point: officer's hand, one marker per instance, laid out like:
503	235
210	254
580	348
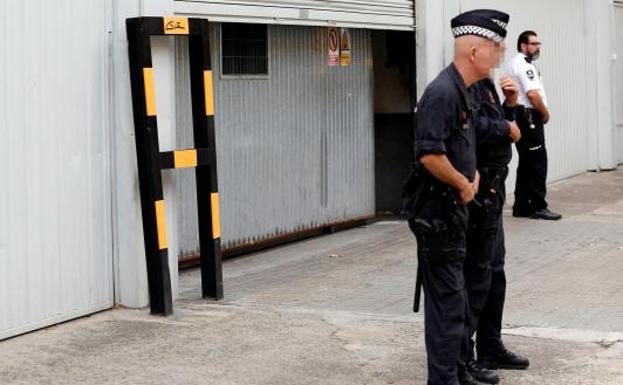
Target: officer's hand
515	133
467	193
510	89
546	118
476	182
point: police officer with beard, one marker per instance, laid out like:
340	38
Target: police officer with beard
444	182
485	280
530	190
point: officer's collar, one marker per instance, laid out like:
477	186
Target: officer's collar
468	100
526	58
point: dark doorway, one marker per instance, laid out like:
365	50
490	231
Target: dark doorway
394	102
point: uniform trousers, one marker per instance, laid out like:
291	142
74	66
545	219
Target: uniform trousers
485	282
445	308
530	189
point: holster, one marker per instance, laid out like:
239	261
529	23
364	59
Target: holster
439	221
487	206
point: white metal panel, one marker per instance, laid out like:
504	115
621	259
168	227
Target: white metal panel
55	198
559	24
380	14
618	79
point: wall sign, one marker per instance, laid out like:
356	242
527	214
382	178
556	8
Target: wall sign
334	46
345	57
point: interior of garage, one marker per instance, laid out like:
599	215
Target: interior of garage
394	102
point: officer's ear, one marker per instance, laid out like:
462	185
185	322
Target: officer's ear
473	53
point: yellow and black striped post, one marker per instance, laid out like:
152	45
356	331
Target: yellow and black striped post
151	161
207	185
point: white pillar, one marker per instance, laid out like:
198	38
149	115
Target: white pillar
163	60
429	41
434	41
590	33
130	266
130	269
602	135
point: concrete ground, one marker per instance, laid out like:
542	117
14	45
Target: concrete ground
336	310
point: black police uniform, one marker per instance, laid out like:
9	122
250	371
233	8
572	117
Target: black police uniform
530	187
485	279
439	221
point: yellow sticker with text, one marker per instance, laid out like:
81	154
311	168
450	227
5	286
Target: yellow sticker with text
175	25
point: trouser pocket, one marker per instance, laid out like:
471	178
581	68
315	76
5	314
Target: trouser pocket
443	247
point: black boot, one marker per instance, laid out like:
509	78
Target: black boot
482	374
466	379
503	360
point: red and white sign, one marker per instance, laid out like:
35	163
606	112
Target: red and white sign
334	47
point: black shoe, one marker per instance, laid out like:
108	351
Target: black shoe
481	373
467	379
504	360
546	214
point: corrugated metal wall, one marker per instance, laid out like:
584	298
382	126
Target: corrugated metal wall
295	149
559	24
618	79
379	14
55	198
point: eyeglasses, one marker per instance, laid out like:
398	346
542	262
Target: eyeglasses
537	43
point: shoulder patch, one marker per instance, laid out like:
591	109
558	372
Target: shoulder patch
530	74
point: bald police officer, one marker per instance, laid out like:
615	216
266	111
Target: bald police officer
530	187
446	182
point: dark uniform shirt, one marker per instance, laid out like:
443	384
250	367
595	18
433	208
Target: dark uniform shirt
444	122
493	148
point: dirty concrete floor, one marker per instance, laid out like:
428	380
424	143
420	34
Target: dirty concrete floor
336	310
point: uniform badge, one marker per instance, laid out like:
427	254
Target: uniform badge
464	120
530	74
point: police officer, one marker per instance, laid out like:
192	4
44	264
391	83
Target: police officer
445	144
485	280
530	188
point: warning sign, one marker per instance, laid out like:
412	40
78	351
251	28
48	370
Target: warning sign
345	58
334	47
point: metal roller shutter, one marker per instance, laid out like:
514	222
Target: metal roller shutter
379	14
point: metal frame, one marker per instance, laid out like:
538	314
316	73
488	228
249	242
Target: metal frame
151	161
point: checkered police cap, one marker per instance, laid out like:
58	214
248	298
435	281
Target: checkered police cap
487	23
